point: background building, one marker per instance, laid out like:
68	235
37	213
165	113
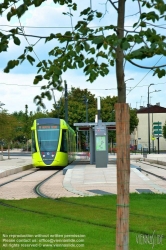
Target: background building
140	135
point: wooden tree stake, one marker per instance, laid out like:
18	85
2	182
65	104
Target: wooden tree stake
123	175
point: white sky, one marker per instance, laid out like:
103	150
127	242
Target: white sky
17	89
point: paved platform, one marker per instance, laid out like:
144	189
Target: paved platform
14	165
87	180
84	179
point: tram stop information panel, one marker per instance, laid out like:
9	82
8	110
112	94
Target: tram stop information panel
101	148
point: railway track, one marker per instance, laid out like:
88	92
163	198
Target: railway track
152	165
23	186
153	170
37	189
18	178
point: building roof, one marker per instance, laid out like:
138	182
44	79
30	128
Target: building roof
151	109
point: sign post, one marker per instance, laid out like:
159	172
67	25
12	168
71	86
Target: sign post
157	132
101	145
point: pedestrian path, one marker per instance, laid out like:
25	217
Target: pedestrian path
14	165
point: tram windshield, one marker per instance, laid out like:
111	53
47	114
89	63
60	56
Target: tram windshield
48	137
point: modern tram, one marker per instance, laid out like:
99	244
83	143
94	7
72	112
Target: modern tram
53	143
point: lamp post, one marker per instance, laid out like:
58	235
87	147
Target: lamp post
152	122
85	99
1	143
129	79
149	116
126	81
56	106
149	120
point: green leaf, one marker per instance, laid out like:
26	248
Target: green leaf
99	14
102	54
39	77
55	78
30	59
85	11
125	45
92	51
9	15
138	39
16	40
143	24
99	45
30	48
38	2
80	64
105	45
27	2
43	87
14	31
135	24
74	6
22	57
112	63
39	64
6	70
11	64
98	40
87	46
48	95
161	73
21	10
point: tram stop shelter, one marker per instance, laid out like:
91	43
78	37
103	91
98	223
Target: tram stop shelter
98	140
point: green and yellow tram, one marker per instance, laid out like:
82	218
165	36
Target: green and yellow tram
53	143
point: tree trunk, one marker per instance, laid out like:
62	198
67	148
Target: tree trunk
1	156
121	86
8	151
123	175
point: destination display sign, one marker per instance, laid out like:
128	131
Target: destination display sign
48	126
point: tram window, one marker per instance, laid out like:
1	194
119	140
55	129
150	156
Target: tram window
64	141
33	142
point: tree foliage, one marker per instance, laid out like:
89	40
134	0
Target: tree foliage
9	128
94	50
25	121
164	130
77	99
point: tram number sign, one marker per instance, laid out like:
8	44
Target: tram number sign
47	126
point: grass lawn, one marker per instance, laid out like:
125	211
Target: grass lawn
81	223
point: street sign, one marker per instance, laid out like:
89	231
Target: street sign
157	123
157	127
157	132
